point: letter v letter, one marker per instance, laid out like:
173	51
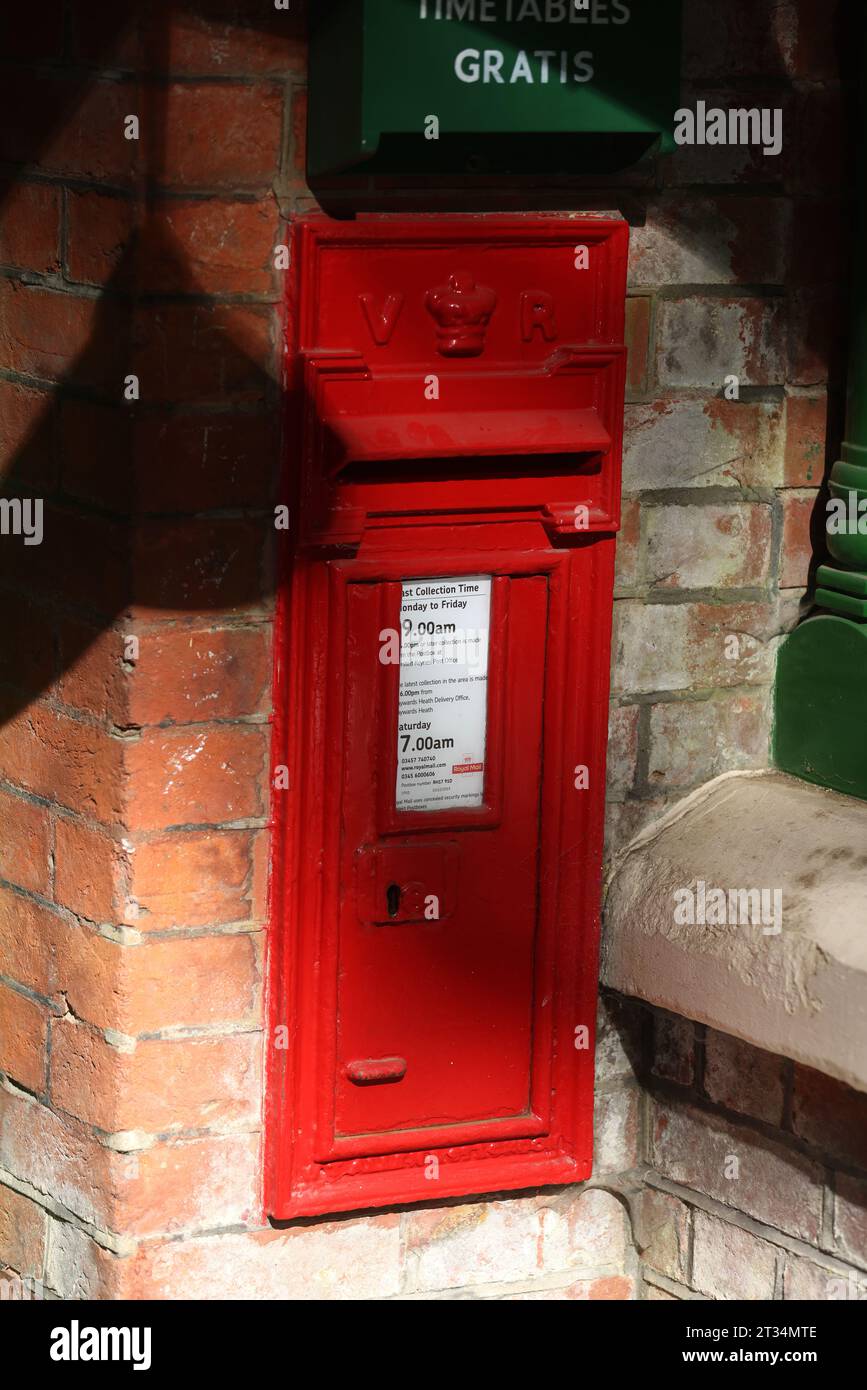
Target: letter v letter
381	321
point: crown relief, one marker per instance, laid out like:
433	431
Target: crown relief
462	310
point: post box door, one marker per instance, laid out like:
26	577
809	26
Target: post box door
438	920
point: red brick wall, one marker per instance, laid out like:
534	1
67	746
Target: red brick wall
133	787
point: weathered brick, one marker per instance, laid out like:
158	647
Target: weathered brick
25	845
160	1086
582	1229
773	1184
75	764
743	1078
25	941
186	674
193	879
202	353
331	1260
76	1267
80	130
664	1234
93	676
30	233
22	1233
219	136
202	775
201	565
98	461
189	1185
805	1281
806	426
692	740
28	629
850	1217
56	1155
616	1131
476	1243
89	871
673	442
100	231
190	983
709	546
205	462
830	1114
699	342
729	1262
684	646
622	747
28	438
691	240
802	521
628	539
23	1037
48	333
674	1048
638	321
614	1288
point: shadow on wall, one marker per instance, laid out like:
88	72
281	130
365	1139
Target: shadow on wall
149	504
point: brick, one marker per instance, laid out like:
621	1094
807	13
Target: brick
79	128
205	462
693	740
619	1039
25	845
28	437
685	442
333	1260
98	460
76	1267
803	521
23	1036
665	1233
26	929
100	231
730	1263
194	879
699	342
94	677
830	1115
613	1288
616	1132
684	646
198	776
803	1280
739	40
252	42
83	557
76	765
160	1087
638	321
189	1185
28	630
187	674
850	1217
690	240
30	234
774	1184
59	336
135	990
622	748
219	136
708	547
628	541
673	1048
474	1244
201	565
210	246
22	1233
583	1229
817	324
743	1078
56	1154
203	352
806	427
89	871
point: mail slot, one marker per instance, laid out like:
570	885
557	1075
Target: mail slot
454	424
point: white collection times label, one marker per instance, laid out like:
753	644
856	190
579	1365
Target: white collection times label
443	709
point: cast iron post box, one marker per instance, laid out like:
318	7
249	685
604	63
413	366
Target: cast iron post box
454	439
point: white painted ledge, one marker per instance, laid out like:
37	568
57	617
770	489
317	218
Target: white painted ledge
801	993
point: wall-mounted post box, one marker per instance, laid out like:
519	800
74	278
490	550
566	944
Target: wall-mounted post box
455	421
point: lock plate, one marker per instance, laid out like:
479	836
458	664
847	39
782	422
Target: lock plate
425	876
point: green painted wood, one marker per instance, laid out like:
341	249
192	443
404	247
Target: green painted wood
819	733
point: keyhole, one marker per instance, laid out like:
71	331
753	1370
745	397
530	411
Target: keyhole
392	898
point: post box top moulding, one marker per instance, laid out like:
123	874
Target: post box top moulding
466	88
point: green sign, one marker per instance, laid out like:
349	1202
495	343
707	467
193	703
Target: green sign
479	86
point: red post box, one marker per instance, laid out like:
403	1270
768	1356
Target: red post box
454	441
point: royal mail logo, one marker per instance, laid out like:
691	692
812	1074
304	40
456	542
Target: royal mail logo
463	311
468	767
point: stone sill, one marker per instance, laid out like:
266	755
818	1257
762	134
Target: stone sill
800	993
